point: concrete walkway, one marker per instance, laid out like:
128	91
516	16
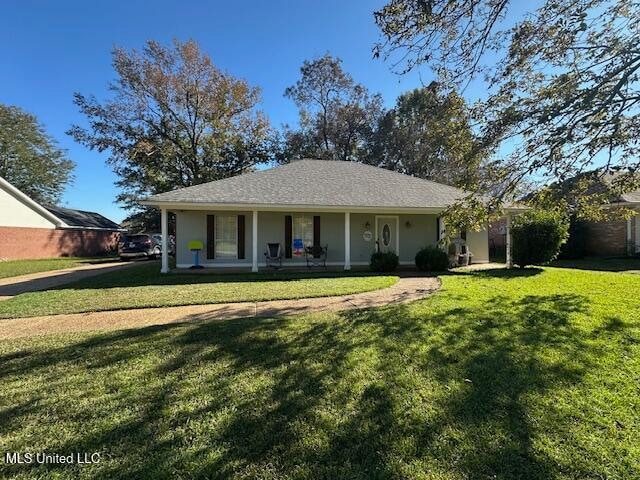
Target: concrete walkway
32	282
406	289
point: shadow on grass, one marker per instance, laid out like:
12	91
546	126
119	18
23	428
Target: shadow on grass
504	273
618	264
375	393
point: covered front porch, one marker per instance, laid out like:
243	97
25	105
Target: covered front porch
234	239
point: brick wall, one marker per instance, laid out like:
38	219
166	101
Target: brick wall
497	230
602	238
606	238
19	242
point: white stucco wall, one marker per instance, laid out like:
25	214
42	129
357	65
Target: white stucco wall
14	213
478	243
415	232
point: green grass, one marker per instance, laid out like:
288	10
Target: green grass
501	375
142	286
13	268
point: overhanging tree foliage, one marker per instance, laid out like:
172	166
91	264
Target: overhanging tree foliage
562	79
174	120
427	134
337	115
30	159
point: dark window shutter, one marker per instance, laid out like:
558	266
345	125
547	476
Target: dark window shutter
241	236
437	229
316	236
288	235
211	237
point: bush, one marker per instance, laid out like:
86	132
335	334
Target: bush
384	262
576	245
538	237
432	259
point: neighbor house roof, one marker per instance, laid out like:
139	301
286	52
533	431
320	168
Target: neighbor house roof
323	183
608	182
82	219
599	183
631	197
61	217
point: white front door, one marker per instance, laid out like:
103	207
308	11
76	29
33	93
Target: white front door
387	234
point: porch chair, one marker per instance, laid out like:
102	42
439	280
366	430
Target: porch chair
273	255
316	256
459	254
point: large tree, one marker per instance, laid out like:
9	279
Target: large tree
174	120
561	76
427	134
31	159
337	115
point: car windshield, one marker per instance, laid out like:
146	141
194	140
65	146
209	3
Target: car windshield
135	238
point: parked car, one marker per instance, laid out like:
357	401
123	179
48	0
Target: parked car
172	242
139	245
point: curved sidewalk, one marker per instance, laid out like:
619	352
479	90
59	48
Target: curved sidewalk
406	289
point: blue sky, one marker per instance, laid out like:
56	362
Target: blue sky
51	49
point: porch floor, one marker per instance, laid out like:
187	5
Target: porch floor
289	269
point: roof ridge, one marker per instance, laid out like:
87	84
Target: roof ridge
319	182
367	165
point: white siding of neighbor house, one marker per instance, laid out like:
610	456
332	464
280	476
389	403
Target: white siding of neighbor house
15	213
416	231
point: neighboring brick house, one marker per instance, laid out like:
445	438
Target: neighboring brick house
613	238
31	230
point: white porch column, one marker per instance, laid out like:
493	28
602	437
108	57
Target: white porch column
441	229
629	249
254	239
165	240
509	246
347	240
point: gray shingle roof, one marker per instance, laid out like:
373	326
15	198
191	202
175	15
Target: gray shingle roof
632	197
82	219
319	183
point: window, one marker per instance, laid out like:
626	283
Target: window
386	235
226	234
302	234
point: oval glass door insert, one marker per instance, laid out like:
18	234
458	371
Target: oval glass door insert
386	235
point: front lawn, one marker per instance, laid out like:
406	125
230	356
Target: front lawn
144	286
13	268
508	375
